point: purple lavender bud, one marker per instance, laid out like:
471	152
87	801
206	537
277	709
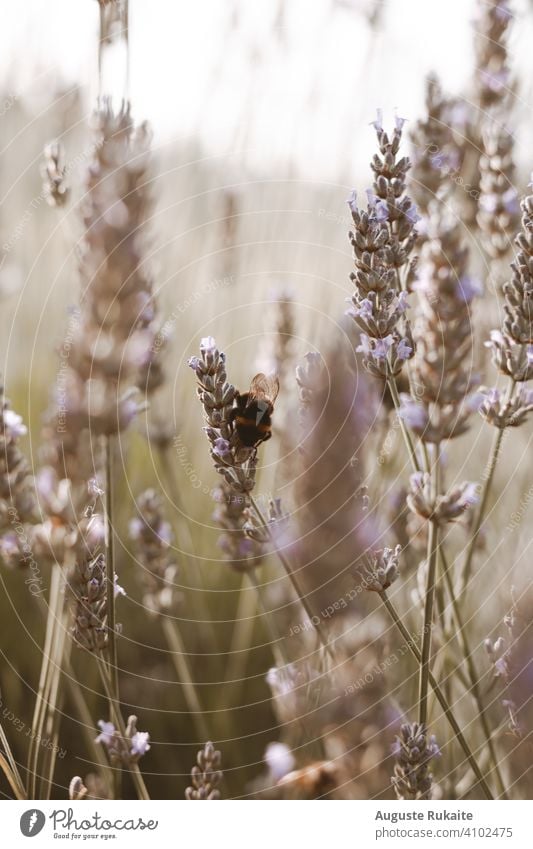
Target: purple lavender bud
221	447
382	347
194	363
474	401
208	345
503	12
470	494
399	122
13	423
469	288
378	123
95	535
94	489
510	201
107	732
416	480
246	547
411	213
489	202
352	200
140	743
45	482
365	309
433	747
364	347
9	545
165	533
413	414
403	350
135	528
118	590
382	211
402	303
496	82
500	666
437	161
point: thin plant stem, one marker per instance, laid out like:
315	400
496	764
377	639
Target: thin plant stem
432	560
493	459
54	705
275	641
10	768
489	477
183	535
39	713
461	632
179	658
86	720
292	577
433	544
110	566
112	655
393	389
410	642
242	634
432	556
76	694
277	644
13	778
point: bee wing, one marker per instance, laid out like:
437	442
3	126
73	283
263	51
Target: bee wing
264	387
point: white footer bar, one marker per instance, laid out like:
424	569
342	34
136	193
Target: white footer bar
255	825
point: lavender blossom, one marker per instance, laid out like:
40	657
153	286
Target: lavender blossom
206	775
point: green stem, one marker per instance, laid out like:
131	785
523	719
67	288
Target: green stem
110	566
472	672
432	559
184	538
275	641
393	389
493	459
410	642
433	543
13	779
277	646
45	678
179	658
241	639
491	467
78	699
54	706
10	768
112	656
292	577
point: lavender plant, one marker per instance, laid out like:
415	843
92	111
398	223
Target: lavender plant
206	775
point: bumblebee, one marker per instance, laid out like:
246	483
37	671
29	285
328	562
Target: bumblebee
251	418
313	781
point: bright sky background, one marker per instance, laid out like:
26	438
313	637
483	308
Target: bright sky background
237	72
